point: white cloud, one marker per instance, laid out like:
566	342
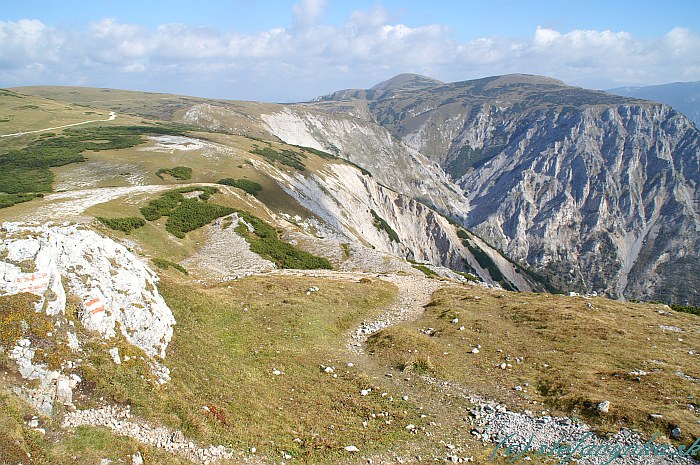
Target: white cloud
27	41
312	58
308	13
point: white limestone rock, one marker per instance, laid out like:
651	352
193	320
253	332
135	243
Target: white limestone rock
114	285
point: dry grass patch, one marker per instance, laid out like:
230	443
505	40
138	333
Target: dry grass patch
250	351
567	353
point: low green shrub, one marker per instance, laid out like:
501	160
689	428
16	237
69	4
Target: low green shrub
165	264
27	169
264	241
426	271
179	172
126	224
462	234
488	264
285	157
192	214
185	215
382	225
246	185
686	309
8	200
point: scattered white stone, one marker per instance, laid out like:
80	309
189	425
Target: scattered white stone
475	350
604	407
276	372
136	459
73	342
117	419
312	289
404	398
114	352
676	432
364	392
455	321
502	366
350	364
352	449
64	391
411	427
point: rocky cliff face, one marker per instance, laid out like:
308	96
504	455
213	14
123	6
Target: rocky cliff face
599	191
348	132
360	210
606	196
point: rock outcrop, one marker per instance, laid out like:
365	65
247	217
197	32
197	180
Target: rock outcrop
116	291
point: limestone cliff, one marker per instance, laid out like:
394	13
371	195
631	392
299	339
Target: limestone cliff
598	191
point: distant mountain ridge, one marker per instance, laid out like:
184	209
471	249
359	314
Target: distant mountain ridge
683	96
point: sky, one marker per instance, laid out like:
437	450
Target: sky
286	51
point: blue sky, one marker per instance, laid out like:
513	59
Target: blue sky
295	50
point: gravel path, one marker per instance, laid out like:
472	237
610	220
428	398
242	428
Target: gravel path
112	116
414	294
122	423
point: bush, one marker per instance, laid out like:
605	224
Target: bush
469	276
162	206
185	215
8	200
286	157
27	170
488	264
192	214
462	234
382	225
246	185
165	264
126	224
319	153
426	271
686	309
265	242
179	172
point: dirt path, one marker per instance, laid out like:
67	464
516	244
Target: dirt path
112	117
414	294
